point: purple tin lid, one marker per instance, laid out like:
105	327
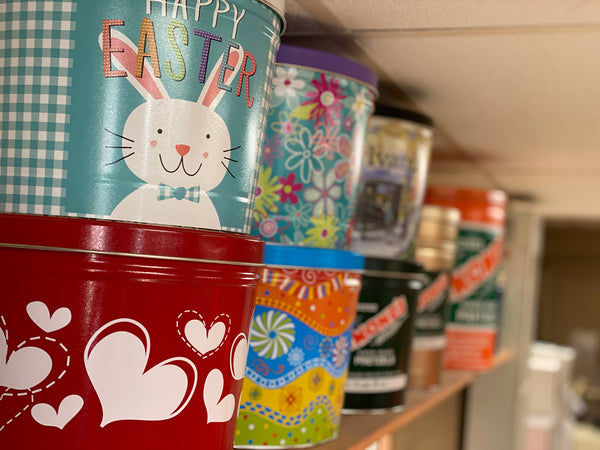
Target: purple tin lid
316	59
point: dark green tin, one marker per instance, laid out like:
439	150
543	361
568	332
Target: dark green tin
382	336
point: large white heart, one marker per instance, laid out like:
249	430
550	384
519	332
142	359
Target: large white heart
24	368
202	339
40	314
44	414
217	409
115	359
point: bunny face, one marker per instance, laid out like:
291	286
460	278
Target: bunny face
177	143
182	144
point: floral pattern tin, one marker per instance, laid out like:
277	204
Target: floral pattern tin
312	153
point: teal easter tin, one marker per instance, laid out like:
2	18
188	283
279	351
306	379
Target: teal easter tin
312	153
143	111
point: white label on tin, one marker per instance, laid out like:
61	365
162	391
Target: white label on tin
375	385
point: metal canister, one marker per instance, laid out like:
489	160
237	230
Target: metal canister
382	336
436	250
474	311
392	184
120	335
299	347
137	111
311	158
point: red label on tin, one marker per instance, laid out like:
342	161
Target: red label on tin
467	277
433	295
388	316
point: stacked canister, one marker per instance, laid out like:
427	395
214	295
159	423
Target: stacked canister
306	197
436	250
148	152
392	188
129	149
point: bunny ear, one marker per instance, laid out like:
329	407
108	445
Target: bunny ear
148	85
211	93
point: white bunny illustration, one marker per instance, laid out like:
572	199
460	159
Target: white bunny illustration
181	149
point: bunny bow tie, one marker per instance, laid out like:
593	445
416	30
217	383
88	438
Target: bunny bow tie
192	194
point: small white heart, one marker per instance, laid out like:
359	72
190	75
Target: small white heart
24	368
239	354
39	313
202	339
46	415
217	409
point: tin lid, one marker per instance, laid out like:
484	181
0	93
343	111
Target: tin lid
121	238
393	268
404	114
317	258
475	205
439	225
328	62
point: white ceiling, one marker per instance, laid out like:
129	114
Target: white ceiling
513	86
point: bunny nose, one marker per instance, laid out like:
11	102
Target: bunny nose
182	149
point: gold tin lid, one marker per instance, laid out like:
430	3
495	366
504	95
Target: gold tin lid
436	239
439	225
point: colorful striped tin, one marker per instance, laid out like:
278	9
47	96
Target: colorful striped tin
299	347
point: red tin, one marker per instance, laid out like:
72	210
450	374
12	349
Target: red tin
122	336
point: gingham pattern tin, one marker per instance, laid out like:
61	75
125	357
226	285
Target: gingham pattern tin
35	44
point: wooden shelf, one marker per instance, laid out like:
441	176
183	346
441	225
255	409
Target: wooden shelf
359	431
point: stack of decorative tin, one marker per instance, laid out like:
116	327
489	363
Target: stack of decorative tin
128	127
305	203
436	250
392	188
474	309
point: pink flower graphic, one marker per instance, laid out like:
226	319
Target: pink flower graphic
271	150
348	123
288	188
326	100
340	351
326	141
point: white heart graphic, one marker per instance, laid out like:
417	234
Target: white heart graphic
46	415
202	339
24	368
217	409
39	313
115	359
238	357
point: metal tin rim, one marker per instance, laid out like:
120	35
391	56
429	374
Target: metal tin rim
331	72
324	269
124	238
134	255
280	11
408	115
397	275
